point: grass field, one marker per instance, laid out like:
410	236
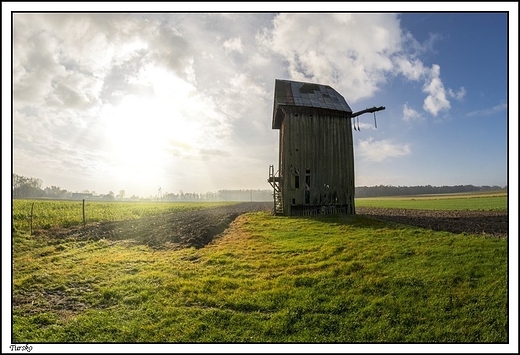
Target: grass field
328	279
65	213
472	202
62	213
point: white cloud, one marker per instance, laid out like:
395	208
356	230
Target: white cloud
436	100
351	52
428	44
412	69
357	54
488	111
459	95
378	151
234	44
168	47
409	114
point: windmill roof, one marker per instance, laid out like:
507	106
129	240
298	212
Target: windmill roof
301	94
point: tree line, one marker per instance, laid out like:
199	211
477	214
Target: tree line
386	190
27	187
221	195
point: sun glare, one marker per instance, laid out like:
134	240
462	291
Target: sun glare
152	138
145	135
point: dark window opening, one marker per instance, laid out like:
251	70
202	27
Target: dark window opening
293	201
307	186
296	181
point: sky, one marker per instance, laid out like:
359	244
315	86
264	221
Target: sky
183	101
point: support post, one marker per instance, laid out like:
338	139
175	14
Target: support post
31	222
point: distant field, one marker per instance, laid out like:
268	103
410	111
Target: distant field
473	201
57	213
63	213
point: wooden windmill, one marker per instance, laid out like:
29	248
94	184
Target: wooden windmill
315	173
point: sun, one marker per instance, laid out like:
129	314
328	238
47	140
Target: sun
153	137
132	134
144	135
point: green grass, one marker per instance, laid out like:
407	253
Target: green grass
49	213
270	279
452	202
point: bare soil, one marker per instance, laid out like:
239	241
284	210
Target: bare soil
494	223
198	228
177	230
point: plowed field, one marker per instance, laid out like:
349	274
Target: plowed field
198	228
173	230
494	223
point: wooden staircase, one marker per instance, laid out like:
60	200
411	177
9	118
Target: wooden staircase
275	181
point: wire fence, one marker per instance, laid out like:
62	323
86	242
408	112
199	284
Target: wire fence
29	216
44	218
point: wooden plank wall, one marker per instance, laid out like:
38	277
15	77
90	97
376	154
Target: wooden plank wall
321	141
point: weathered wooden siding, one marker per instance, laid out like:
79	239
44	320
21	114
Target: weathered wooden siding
317	144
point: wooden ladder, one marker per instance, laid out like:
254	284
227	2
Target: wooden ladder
275	180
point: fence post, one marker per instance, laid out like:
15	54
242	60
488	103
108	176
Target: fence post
31	223
83	212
